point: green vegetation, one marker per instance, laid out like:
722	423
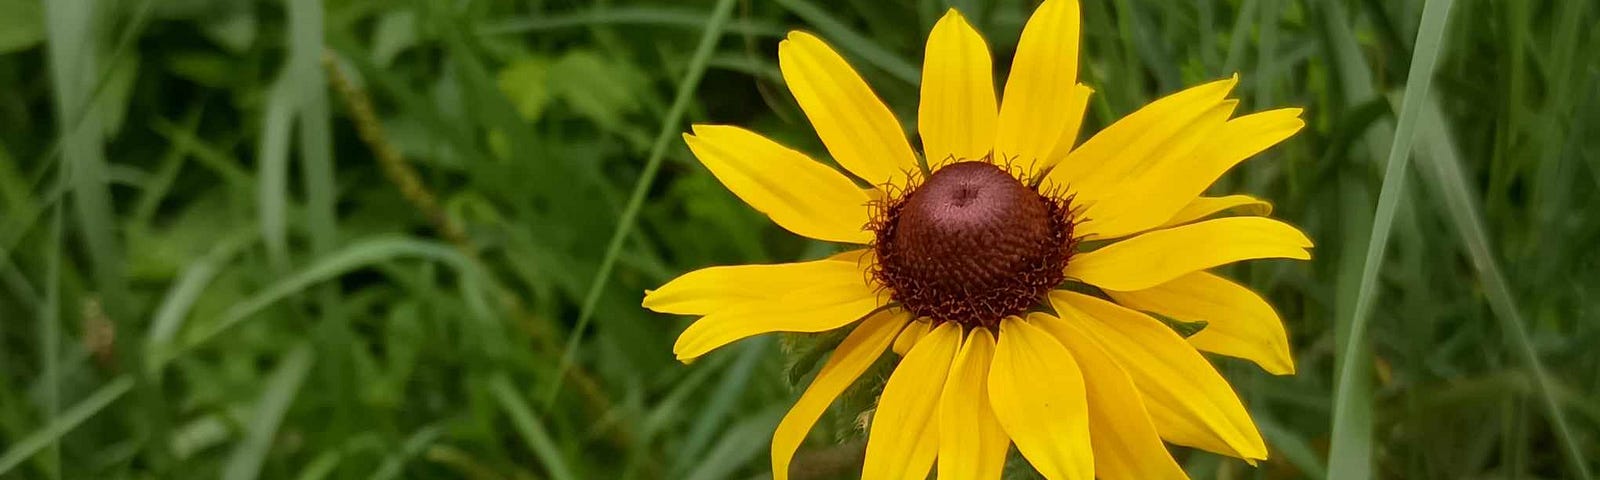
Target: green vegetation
315	239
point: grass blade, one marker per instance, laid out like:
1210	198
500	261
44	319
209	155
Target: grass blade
855	43
50	334
685	18
394	463
356	255
641	189
1441	167
316	137
1343	464
1295	449
744	442
723	400
282	387
272	172
68	420
180	298
533	432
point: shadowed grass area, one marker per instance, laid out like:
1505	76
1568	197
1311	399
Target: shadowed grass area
215	263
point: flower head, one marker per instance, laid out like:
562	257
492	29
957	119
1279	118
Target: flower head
1014	269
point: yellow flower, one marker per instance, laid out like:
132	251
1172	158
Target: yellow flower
968	253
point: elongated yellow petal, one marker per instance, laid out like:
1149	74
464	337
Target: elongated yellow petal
1038	396
1038	112
905	431
1203	207
860	132
1157	257
1190	403
957	113
908	337
1239	322
803	196
972	444
813	309
711	289
1106	159
853	356
1148	198
1126	445
1112	214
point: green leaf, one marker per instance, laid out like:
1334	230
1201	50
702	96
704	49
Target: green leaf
395	33
206	68
235	30
1184	329
597	87
21	25
526	82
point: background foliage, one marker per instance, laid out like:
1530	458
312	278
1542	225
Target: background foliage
205	271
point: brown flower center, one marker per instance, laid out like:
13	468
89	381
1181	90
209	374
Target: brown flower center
972	245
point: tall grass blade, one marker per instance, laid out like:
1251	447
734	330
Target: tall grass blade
1440	165
356	255
1294	447
396	461
68	420
641	188
723	400
849	40
528	426
1342	464
272	172
677	17
281	388
185	291
746	441
50	334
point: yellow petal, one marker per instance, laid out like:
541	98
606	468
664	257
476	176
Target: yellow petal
711	289
1147	198
972	444
803	196
812	309
1039	116
1113	213
858	351
908	337
905	434
860	132
1190	403
1126	445
1157	257
1203	207
957	113
1038	396
1101	163
1239	322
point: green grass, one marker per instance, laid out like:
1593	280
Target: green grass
1350	455
206	272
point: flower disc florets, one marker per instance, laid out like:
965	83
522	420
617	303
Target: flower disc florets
971	244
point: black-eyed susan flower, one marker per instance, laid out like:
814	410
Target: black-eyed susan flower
1012	268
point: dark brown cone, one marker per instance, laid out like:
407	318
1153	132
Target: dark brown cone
972	245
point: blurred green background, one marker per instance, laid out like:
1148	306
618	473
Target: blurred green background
212	265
